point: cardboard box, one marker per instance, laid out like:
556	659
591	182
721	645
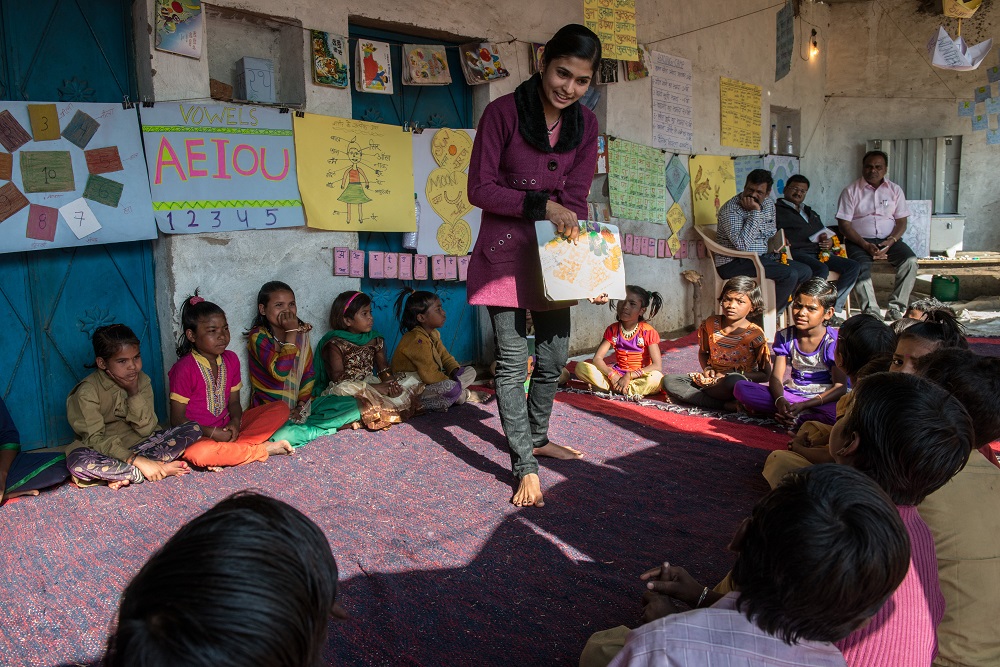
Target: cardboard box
255	80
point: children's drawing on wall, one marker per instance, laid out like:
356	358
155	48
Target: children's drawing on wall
353	175
329	54
373	68
713	185
179	27
449	223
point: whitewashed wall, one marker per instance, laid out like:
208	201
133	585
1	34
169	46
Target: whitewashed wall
231	267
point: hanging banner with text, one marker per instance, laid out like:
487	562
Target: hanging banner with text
740	110
71	174
221	168
673	127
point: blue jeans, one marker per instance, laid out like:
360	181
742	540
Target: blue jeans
847	268
786	277
526	422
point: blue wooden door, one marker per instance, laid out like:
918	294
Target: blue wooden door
53	300
427	107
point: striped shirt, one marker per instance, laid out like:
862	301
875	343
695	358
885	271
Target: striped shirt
745	230
275	367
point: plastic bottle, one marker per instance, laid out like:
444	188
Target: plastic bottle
774	139
410	238
789	147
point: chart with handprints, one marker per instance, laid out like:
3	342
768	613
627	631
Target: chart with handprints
637	182
71	174
449	224
221	167
583	269
355	176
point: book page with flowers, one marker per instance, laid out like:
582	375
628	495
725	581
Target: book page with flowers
591	266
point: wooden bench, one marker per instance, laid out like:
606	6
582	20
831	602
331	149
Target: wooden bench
964	264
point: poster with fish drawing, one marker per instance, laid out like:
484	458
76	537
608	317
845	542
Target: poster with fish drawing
713	184
449	224
591	266
353	175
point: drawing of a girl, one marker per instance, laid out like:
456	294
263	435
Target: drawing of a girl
351	182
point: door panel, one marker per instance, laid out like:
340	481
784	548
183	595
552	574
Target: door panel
424	106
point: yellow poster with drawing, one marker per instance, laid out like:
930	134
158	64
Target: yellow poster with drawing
354	176
741	113
713	183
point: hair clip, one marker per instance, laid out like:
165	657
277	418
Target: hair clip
195	300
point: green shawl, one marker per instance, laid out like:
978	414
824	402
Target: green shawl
322	379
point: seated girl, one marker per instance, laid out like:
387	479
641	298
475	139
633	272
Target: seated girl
808	347
421	354
25	473
637	370
354	364
279	352
112	413
939	329
731	349
205	389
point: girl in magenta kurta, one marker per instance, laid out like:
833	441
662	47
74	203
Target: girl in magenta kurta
534	159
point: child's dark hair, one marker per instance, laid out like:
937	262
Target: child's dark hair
203	597
821	290
345	306
940	326
928	304
411	303
863	338
652	301
747	287
820	554
573	41
193	310
902	324
914	436
974	380
264	298
108	340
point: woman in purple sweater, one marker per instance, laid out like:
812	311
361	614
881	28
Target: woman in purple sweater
533	159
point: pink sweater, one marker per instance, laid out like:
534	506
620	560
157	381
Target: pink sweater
904	631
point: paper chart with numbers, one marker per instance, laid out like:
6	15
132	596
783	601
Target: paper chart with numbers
71	174
221	167
637	183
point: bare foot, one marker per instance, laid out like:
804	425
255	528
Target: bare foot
558	452
478	396
529	493
564	377
19	494
114	486
279	448
175	468
215	468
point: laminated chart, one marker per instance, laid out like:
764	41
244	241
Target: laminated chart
741	114
221	168
637	184
449	223
355	176
71	174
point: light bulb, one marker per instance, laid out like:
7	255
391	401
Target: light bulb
813	50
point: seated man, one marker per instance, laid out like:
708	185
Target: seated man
746	222
251	581
801	225
872	214
817	558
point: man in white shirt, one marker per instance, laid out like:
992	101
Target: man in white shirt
872	213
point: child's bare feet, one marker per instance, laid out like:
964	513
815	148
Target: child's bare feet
472	396
529	493
19	494
558	452
564	377
175	468
279	448
114	486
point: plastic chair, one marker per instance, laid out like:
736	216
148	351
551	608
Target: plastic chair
707	233
832	277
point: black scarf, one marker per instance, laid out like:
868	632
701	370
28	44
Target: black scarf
531	119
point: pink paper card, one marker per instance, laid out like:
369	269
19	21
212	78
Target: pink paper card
42	223
420	267
684	250
341	261
666	251
391	264
651	248
629	240
463	267
451	267
357	263
376	264
437	267
661	247
701	250
643	245
405	266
